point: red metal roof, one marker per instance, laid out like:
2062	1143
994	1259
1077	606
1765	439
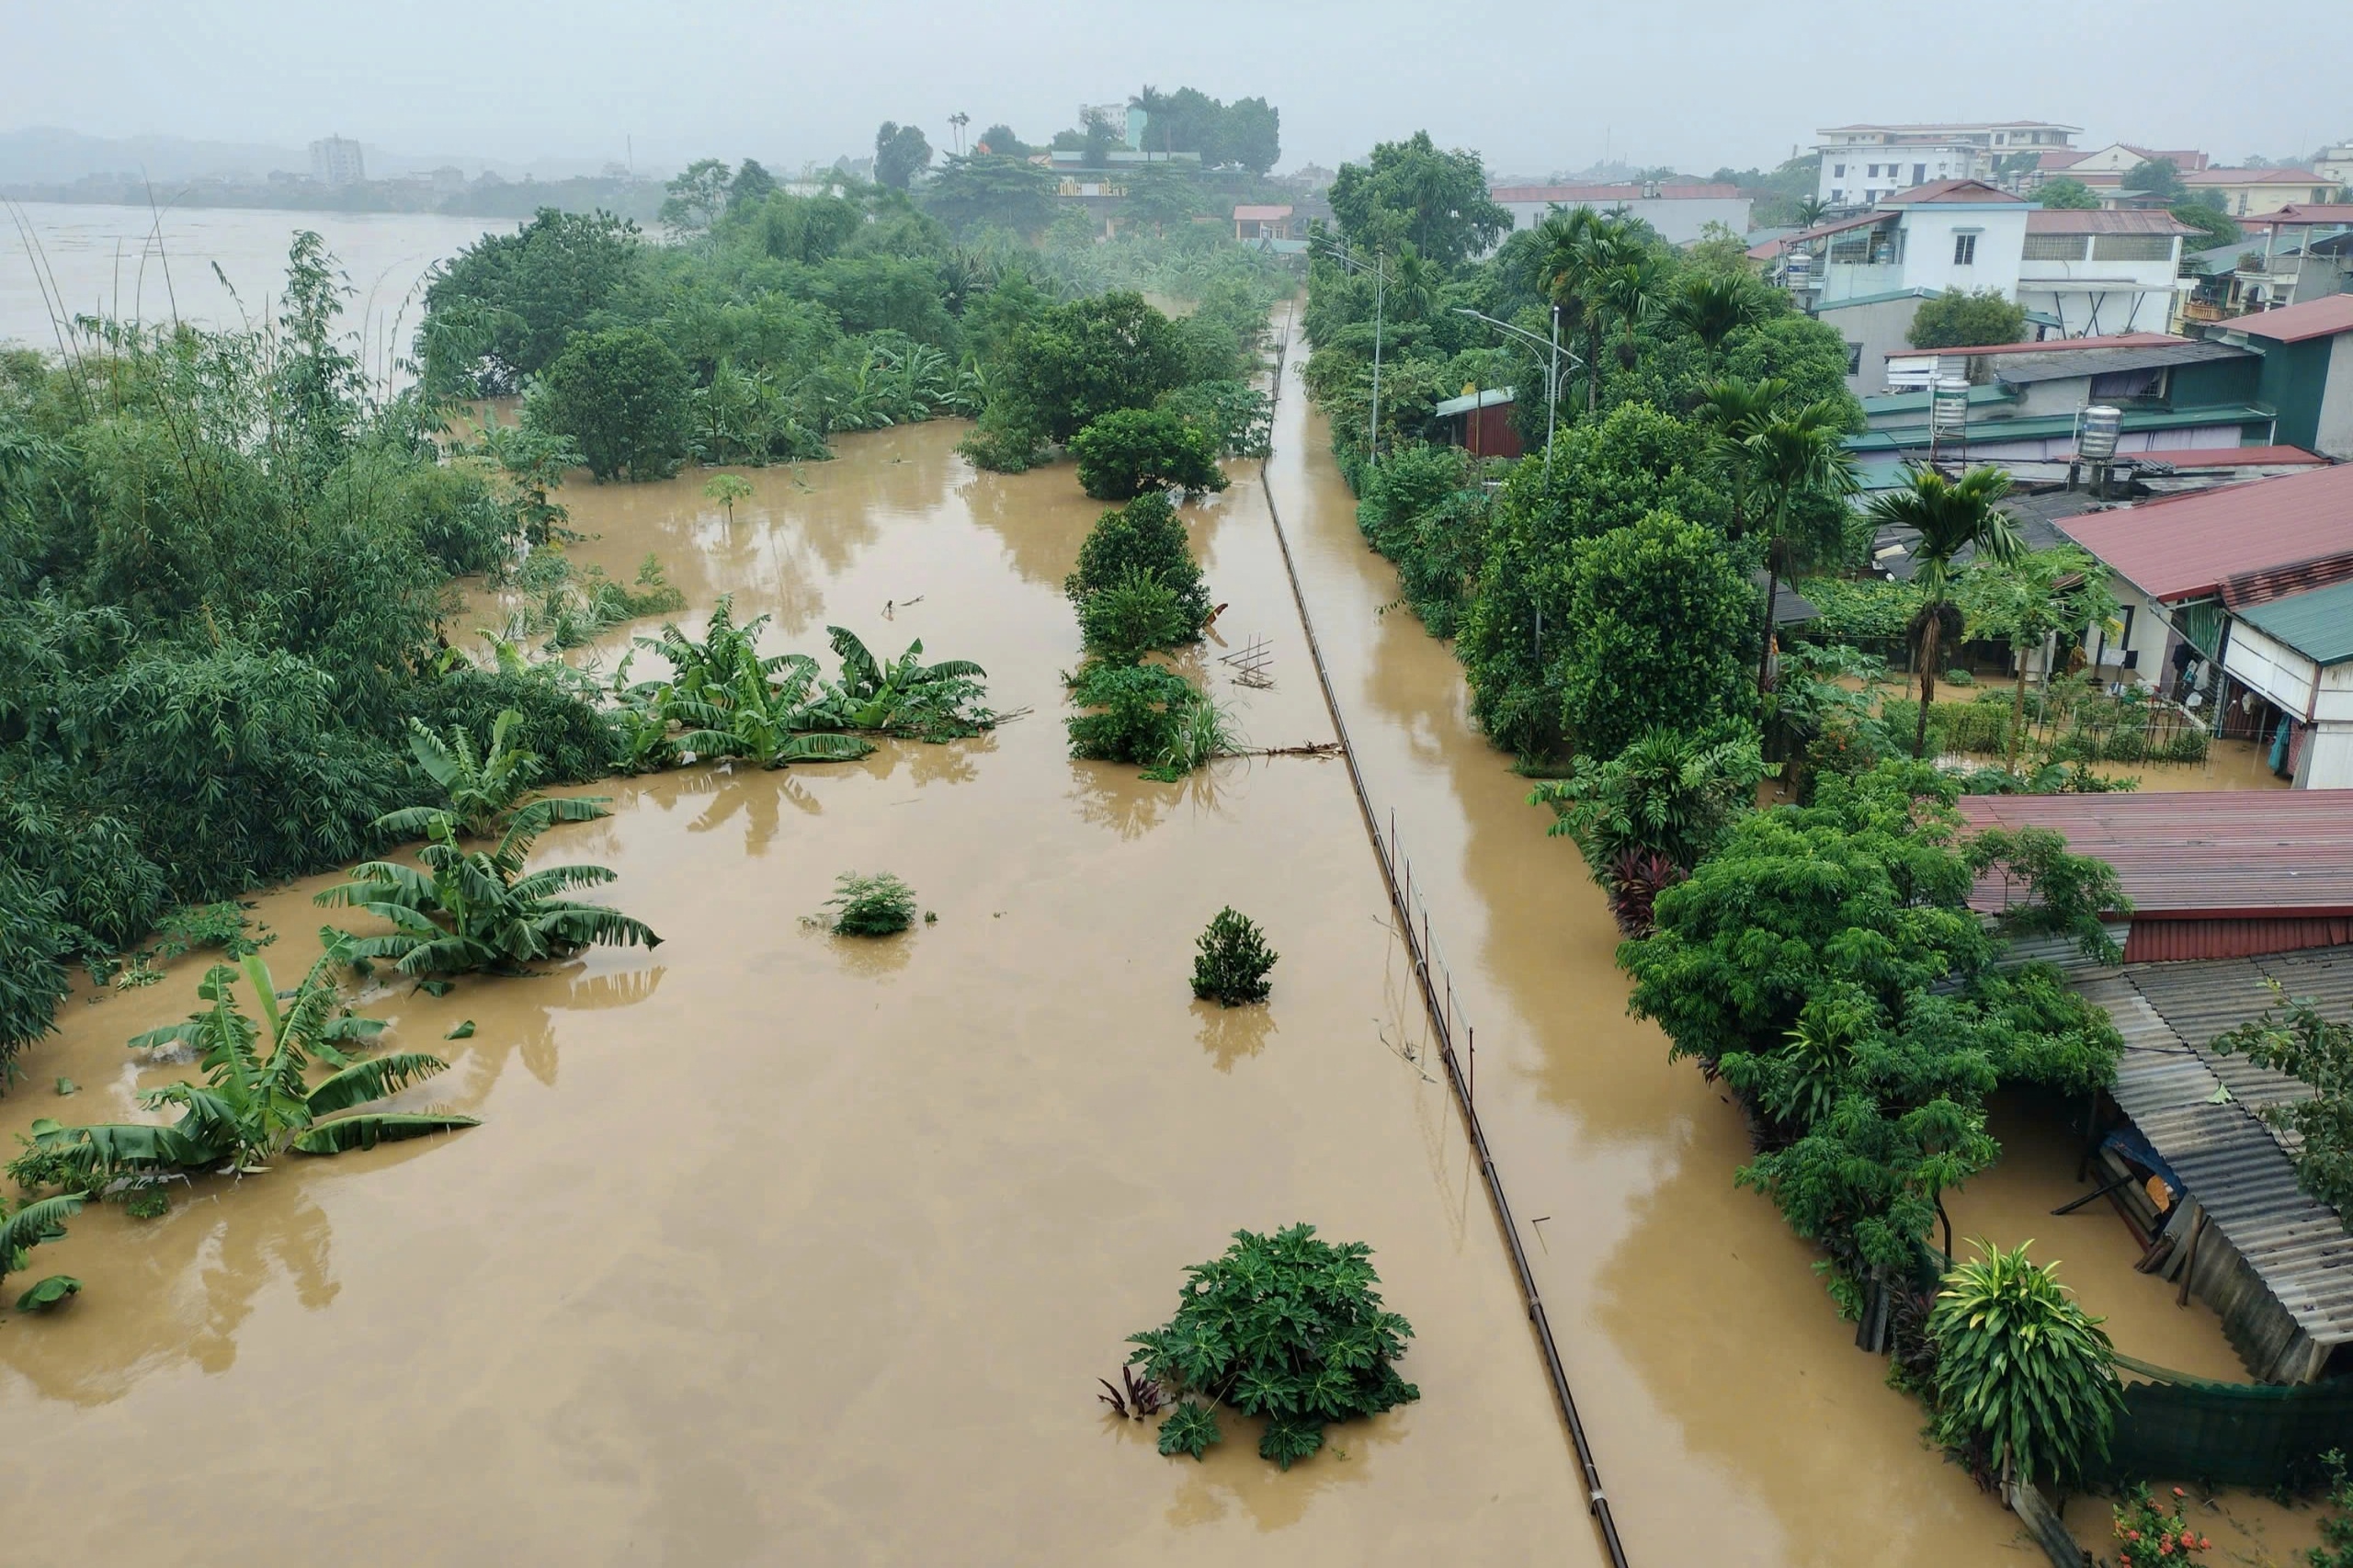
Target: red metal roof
2252	176
2234	456
2062	158
1621	191
1953	190
2195	855
2295	323
2185	546
2104	220
2301	214
2172	941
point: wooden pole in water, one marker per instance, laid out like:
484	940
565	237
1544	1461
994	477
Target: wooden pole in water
2189	1264
1471	1040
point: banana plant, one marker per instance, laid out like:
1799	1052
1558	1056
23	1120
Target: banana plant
26	1228
255	1102
748	717
476	910
483	791
906	697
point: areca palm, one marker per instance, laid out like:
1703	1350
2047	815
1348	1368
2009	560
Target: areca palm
1713	305
483	789
1730	412
1794	457
1571	249
1949	515
471	910
255	1102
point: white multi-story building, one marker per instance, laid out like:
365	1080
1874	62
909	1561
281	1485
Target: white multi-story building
336	160
1864	165
2336	163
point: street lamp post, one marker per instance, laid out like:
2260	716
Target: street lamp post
1552	375
1331	252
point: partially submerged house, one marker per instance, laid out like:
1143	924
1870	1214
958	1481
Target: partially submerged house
2191	574
2233	893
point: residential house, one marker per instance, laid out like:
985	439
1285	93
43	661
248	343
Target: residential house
2096	272
2190	571
2335	162
2024	400
2251	193
2103	169
2307	375
1864	165
2305	253
1263	223
1680	212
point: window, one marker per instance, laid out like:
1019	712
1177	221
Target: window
1854	358
1964	250
2057	247
1919	174
1837	198
2132	247
1838	171
1872	173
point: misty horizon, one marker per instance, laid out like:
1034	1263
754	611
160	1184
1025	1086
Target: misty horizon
1693	86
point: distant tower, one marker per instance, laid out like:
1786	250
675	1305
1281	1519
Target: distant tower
336	161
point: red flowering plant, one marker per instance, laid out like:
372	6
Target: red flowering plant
2148	1535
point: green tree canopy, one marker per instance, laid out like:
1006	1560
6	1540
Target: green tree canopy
622	396
1658	630
698	194
1412	191
991	190
1076	363
503	308
2160	177
1130	450
900	153
2067	192
1964	319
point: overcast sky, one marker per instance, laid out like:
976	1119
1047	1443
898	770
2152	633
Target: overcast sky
1533	85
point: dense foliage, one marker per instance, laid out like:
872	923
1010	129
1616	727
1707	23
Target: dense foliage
1232	964
1287	1327
622	398
1659	616
2295	1038
877	906
1121	455
1145	537
1961	319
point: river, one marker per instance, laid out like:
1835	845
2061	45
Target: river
65	259
774	1246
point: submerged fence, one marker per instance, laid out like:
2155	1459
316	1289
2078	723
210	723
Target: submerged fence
1437	985
2255	1434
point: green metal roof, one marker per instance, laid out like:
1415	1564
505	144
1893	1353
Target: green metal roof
1902	437
2319	624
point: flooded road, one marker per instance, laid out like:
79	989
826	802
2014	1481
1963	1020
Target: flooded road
774	1247
1735	1422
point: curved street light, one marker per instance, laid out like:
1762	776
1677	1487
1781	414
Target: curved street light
1553	376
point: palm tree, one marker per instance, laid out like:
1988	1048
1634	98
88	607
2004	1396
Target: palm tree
255	1102
1630	288
1730	412
1949	515
1413	285
484	792
1567	272
1713	305
478	910
1795	457
1811	211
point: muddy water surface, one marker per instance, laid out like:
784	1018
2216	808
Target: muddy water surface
775	1247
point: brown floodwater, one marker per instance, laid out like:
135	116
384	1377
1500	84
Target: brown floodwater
779	1247
783	1247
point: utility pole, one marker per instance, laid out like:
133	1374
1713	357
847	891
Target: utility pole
1373	436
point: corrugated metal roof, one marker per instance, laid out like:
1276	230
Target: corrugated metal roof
2048	346
2295	323
2197	1110
2029	367
2174	941
2245	853
2303	214
2229	457
2252	176
2104	220
2185	545
1488	397
2319	624
1957	192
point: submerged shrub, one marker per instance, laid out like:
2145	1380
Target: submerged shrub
1231	966
879	905
1146	535
1125	453
1138	711
1132	617
1285	1326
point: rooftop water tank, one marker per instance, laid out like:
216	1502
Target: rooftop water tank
2095	433
1949	406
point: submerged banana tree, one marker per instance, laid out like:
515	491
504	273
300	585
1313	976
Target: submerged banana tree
256	1102
21	1230
473	910
903	698
483	791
